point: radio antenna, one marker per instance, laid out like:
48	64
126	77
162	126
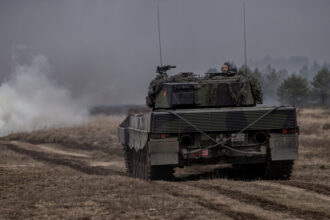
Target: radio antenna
159	42
244	39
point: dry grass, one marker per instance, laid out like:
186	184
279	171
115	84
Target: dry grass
100	131
39	184
314	148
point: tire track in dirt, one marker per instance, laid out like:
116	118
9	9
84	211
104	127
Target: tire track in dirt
293	189
56	159
76	146
176	191
69	162
262	202
315	187
233	207
198	199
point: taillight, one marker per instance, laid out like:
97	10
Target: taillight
292	131
158	136
196	154
289	131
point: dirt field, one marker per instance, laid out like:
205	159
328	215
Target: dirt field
79	173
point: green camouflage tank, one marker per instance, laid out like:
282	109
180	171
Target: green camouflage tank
210	119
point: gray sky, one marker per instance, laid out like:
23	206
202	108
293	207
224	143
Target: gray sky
106	52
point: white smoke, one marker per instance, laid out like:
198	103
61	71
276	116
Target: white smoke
29	100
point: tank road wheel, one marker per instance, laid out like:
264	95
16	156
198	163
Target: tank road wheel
147	168
141	166
138	164
133	163
138	154
128	160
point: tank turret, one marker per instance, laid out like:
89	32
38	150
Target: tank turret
219	89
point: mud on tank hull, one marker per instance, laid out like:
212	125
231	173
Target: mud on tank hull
157	142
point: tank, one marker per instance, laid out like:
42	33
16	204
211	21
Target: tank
209	119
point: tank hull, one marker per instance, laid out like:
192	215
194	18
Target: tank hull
236	135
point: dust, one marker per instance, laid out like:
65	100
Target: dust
30	100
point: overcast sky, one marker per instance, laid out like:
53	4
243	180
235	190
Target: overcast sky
106	52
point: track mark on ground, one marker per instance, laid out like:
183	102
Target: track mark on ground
294	189
316	187
50	148
262	202
221	203
69	162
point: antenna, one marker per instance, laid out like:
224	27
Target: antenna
159	42
244	39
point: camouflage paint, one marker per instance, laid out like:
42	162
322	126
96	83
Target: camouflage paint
218	91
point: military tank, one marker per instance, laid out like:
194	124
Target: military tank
210	119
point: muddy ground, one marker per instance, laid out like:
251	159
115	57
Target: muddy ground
79	173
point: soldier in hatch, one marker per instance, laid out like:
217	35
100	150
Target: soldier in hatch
229	69
225	67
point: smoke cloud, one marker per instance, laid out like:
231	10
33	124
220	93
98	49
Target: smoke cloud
106	52
30	100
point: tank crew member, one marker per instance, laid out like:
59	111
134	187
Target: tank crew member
229	68
225	67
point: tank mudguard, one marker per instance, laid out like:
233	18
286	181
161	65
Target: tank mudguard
123	133
164	151
283	146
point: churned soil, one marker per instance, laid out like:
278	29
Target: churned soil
78	173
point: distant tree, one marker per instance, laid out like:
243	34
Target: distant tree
249	72
257	74
304	72
270	82
273	76
315	68
321	85
268	69
283	73
293	90
327	65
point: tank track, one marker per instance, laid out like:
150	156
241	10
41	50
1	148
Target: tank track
128	160
279	170
138	166
271	170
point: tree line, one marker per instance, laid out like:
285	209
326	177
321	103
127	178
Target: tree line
309	87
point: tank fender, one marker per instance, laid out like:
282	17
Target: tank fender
164	151
138	131
123	133
283	146
137	138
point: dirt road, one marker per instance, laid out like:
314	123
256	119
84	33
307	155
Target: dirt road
81	175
